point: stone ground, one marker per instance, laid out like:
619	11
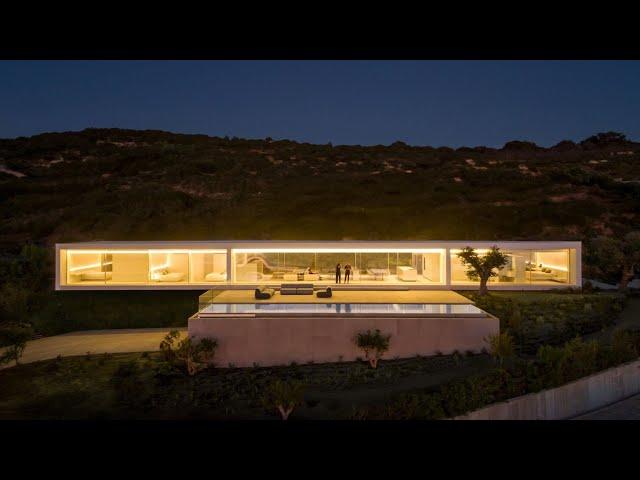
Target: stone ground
94	341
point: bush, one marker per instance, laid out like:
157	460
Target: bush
283	396
188	353
501	347
15	337
374	344
553	366
131	391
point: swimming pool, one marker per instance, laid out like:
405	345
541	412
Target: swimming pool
386	309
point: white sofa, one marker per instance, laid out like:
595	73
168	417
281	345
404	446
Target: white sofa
407	274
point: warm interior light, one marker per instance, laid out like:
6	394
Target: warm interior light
84	267
555	267
142	251
336	250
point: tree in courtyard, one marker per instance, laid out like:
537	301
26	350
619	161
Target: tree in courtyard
614	258
283	396
15	338
373	344
501	347
192	354
482	267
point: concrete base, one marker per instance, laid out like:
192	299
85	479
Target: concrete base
246	340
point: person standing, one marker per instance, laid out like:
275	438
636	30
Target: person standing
338	275
347	272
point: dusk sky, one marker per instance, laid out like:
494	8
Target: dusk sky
436	103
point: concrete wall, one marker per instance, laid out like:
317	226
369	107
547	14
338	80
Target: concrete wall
280	341
567	401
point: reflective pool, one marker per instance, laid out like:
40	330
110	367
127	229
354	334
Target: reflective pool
342	308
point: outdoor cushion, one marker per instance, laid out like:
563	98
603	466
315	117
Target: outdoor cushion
264	293
324	293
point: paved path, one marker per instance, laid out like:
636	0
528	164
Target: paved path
628	409
94	341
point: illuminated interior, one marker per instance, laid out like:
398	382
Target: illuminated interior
260	263
144	267
367	266
524	267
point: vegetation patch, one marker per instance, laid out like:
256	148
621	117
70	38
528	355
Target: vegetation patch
536	318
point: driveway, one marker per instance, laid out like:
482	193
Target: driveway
628	409
94	341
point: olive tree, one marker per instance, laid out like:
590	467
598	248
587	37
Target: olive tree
373	344
283	396
482	267
192	354
615	258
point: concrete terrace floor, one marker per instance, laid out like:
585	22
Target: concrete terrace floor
95	342
347	296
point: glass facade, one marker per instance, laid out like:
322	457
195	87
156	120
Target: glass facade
319	267
142	267
261	264
524	267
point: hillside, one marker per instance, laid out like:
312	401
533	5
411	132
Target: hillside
110	184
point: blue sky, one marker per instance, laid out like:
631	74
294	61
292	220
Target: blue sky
436	103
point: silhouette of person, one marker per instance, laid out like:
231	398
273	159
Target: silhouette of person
347	272
338	275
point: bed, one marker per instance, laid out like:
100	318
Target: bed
171	277
215	277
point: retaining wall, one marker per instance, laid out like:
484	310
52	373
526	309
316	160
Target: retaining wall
243	341
570	400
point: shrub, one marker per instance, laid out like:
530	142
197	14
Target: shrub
130	390
16	337
283	396
501	347
624	346
373	344
191	354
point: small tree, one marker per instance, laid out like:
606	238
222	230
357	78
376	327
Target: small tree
283	396
615	258
501	347
373	344
191	354
482	267
16	338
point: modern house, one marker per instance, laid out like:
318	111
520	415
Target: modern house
404	288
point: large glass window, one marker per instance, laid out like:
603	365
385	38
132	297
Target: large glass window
524	267
550	266
208	267
168	267
142	267
89	268
365	266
